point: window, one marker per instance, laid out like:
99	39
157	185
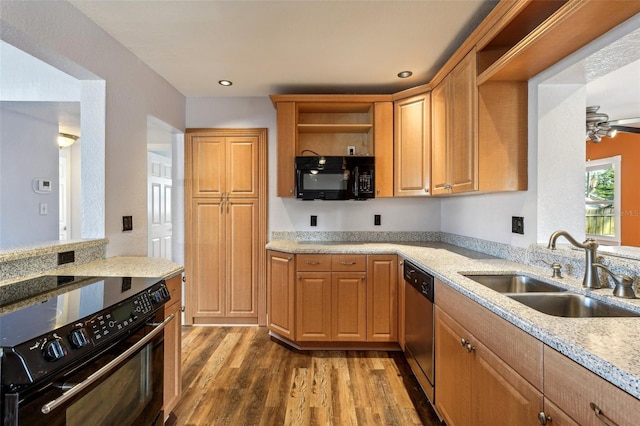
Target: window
602	200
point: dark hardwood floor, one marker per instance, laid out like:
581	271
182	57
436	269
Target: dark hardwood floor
240	376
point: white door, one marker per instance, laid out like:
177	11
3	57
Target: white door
159	205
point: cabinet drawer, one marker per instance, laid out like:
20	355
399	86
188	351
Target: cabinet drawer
348	262
313	262
573	388
174	285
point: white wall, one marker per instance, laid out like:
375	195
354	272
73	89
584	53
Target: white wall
28	150
60	35
287	214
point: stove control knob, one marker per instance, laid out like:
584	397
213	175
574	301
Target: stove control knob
53	350
78	338
156	296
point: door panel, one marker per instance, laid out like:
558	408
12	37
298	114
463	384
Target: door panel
208	236
242	166
242	231
208	166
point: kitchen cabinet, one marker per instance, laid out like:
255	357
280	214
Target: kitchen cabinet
454	143
382	298
225	232
333	297
412	146
573	389
173	346
280	293
330	299
487	370
334	125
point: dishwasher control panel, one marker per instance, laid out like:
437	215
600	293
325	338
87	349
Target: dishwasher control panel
419	279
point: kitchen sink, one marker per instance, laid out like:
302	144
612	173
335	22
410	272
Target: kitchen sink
514	283
571	305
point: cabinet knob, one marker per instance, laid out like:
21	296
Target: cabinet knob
470	348
463	342
543	418
291	191
426	190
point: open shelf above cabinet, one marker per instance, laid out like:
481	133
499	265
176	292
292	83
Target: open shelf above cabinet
534	35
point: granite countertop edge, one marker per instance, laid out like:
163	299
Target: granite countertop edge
125	266
609	347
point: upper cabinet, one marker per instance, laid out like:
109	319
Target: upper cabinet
412	146
454	143
520	39
334	125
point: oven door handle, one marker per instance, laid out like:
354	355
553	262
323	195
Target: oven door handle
52	405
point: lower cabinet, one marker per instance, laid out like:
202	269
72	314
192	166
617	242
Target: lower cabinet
478	379
281	268
173	346
575	395
333	297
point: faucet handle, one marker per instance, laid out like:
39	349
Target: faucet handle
624	283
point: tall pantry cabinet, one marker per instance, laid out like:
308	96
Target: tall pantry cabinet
225	226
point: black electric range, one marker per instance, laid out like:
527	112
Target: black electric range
49	323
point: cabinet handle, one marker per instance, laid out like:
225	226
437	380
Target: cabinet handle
543	418
289	258
291	191
299	277
364	277
463	342
604	419
348	263
426	190
221	202
470	348
313	263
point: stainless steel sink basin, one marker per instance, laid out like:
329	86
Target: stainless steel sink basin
571	305
514	283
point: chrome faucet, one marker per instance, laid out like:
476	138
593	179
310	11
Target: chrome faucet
590	247
624	283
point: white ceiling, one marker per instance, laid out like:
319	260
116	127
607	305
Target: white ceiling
274	47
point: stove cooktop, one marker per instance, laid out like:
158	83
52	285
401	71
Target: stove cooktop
35	313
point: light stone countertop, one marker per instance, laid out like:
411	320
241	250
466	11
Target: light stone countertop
125	266
609	347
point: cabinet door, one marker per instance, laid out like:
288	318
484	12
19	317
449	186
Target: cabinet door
206	289
242	167
453	366
383	148
462	140
557	416
286	123
439	157
313	306
206	165
280	293
348	306
173	346
241	217
382	300
412	146
172	357
499	395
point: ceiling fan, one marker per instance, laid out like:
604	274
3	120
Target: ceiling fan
598	125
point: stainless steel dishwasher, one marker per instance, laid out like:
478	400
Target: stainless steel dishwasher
419	326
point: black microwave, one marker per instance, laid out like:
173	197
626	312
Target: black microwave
335	178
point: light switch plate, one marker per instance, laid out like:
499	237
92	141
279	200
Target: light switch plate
517	225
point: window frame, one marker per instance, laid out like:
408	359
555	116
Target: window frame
614	162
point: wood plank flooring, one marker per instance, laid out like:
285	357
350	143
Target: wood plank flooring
240	376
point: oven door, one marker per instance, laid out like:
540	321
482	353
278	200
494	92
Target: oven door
120	386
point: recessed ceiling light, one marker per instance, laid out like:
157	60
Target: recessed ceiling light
225	83
405	74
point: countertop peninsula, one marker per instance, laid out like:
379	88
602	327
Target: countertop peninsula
609	347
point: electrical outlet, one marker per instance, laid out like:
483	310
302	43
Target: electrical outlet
66	257
44	209
377	220
517	225
351	150
314	220
127	223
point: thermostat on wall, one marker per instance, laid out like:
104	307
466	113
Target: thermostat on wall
42	186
